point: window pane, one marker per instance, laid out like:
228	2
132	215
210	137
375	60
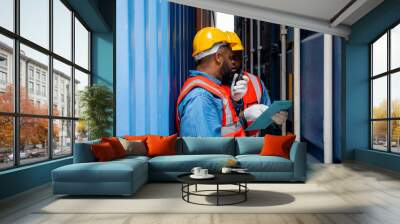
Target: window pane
7	14
379	55
81	81
379	135
62	89
62	138
34	81
395	47
81	131
81	45
35	21
6	142
62	29
395	95
395	138
379	97
33	139
6	74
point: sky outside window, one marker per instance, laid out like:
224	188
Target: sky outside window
7	14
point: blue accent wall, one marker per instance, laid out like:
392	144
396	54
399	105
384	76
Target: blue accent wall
182	31
357	84
102	58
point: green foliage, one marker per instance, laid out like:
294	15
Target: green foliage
97	104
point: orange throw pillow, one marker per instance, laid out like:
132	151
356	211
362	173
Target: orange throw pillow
275	145
116	145
161	145
135	138
103	152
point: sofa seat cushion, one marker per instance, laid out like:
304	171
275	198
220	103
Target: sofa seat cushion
112	171
185	163
257	163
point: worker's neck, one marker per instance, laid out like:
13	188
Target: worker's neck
211	72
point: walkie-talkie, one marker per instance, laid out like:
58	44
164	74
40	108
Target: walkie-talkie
240	77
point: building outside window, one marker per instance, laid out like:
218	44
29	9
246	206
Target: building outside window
56	127
30	72
30	87
385	91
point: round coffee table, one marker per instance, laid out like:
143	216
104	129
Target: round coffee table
238	179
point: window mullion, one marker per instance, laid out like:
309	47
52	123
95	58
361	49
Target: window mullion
16	84
50	81
73	82
389	95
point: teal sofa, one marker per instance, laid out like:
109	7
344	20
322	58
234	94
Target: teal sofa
125	176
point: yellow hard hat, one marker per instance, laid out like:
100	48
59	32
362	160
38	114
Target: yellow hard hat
206	38
234	41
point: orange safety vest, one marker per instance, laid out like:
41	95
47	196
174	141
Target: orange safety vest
231	126
252	96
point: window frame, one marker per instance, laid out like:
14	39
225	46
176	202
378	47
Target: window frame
388	74
16	115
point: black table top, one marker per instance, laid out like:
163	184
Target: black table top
220	178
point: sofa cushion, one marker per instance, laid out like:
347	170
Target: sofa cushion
103	152
249	145
206	145
161	145
116	145
185	163
276	145
257	163
134	147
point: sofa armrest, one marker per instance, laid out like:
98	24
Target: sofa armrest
83	152
298	156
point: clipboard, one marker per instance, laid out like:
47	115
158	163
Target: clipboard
265	119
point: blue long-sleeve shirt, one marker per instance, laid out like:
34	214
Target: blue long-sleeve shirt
200	111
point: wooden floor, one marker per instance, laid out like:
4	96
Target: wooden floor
377	188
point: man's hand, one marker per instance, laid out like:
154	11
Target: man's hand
280	117
239	88
254	111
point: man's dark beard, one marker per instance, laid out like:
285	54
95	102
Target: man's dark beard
227	75
227	79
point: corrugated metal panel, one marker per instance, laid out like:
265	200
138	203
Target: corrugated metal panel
154	44
182	29
142	79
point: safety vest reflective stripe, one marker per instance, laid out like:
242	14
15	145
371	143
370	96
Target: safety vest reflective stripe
230	122
256	84
231	128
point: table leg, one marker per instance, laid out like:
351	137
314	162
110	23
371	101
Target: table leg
196	188
217	194
245	193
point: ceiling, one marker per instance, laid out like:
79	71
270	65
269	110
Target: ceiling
325	16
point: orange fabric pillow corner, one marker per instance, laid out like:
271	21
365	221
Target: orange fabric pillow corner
116	145
103	151
161	145
275	145
135	138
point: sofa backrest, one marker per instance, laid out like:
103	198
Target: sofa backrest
206	145
249	145
83	152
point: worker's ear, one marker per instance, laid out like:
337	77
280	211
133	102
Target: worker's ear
219	56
